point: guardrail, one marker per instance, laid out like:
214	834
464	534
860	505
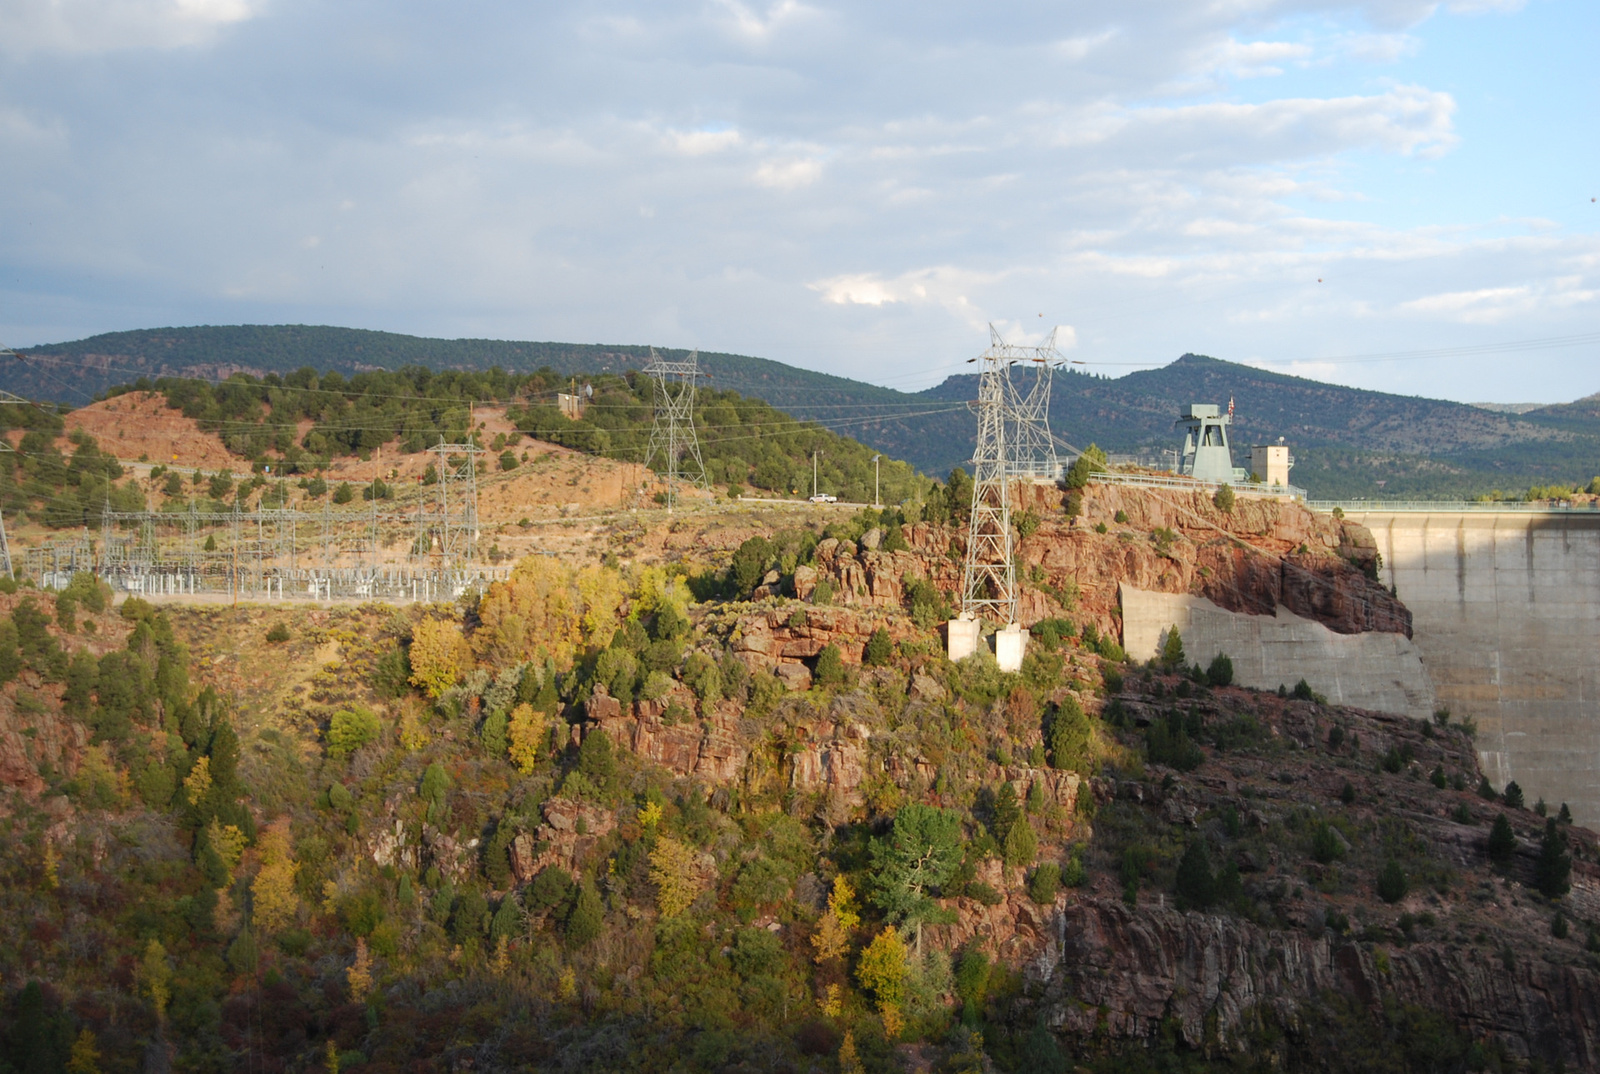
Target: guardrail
1453	507
1188	484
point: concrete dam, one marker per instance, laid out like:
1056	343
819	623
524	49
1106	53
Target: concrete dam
1506	632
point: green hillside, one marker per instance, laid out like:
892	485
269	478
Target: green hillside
1348	442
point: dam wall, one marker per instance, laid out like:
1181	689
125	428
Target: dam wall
1377	671
1506	615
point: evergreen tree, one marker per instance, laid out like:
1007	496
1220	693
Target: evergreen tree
1552	871
1172	654
1392	882
1502	841
921	853
1513	795
880	649
1196	884
586	919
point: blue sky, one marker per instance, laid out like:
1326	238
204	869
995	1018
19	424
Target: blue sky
854	188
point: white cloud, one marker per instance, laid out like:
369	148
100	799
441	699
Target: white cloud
698	143
1257	59
798	178
789	174
90	26
1075	49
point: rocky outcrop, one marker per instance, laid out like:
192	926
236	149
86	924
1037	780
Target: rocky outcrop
1122	972
792	634
1262	554
570	831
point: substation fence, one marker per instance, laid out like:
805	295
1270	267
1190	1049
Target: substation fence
276	554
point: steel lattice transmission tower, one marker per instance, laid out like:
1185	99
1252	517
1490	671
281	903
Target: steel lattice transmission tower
1030	449
447	527
1014	441
989	581
672	437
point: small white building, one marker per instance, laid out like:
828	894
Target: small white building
1271	463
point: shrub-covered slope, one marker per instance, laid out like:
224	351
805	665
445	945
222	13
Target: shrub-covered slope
662	817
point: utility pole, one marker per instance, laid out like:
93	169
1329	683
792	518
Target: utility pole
673	434
875	500
813	473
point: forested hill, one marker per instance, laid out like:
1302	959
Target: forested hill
1348	442
75	372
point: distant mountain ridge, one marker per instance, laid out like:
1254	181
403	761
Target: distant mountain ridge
1349	442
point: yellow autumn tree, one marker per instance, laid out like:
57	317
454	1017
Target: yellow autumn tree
155	978
545	609
85	1055
229	843
676	875
359	974
525	737
832	935
440	655
842	903
849	1060
274	900
882	971
197	784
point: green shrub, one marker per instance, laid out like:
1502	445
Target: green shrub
1220	673
830	667
1045	883
1223	498
1172	654
1502	840
1326	846
350	729
1167	743
1195	884
1070	734
1392	882
1552	870
279	632
879	650
587	918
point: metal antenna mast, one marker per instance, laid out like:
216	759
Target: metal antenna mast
989	581
673	435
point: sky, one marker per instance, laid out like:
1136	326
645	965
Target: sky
1393	194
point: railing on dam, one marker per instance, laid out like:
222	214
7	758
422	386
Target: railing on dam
1453	507
1189	484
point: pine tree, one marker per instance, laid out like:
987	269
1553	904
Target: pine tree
1172	654
879	650
586	919
1196	885
1502	841
1552	870
1392	882
1513	795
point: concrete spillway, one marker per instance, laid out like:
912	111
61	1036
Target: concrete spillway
1506	609
1505	631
